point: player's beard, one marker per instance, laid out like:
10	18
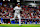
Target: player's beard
18	5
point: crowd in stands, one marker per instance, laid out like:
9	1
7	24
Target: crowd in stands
31	12
6	11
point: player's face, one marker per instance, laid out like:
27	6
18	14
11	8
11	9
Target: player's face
18	5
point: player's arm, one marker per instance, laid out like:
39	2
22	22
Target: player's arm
21	11
14	10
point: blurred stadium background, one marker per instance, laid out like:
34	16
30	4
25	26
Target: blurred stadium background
30	14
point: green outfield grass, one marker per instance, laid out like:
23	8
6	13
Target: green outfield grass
17	25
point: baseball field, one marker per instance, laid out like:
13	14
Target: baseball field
17	25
